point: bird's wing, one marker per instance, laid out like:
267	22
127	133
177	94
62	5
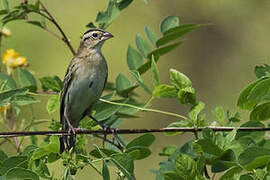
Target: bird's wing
66	84
106	78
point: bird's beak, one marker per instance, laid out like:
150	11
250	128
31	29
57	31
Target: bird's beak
107	35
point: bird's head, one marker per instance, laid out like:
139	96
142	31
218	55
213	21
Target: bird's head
94	38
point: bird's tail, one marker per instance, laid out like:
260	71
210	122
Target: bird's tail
67	142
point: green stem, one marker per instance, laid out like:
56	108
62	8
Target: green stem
101	159
149	101
145	109
128	105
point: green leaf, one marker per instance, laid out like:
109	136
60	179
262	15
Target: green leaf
195	111
261	71
230	138
157	53
13	15
143	46
186	96
36	23
221	166
185	167
7	95
171	176
105	171
151	35
53	104
179	80
168	150
12	162
53	83
155	72
138	152
52	157
21	173
28	149
107	152
7	82
125	164
124	4
260	112
254	93
233	118
104	19
40	168
229	174
22	100
164	90
220	115
175	33
105	110
261	173
4	11
169	23
91	25
37	4
256	136
139	80
246	177
209	147
254	157
39	153
122	83
51	150
163	50
5	4
134	58
43	21
26	79
145	140
53	146
3	156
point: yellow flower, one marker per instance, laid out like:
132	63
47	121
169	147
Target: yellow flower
13	60
6	32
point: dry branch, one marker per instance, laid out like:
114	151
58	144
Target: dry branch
128	131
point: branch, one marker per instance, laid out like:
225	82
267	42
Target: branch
128	131
51	18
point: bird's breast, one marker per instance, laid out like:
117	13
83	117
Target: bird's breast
86	88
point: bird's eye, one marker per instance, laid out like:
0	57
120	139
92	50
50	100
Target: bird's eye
94	35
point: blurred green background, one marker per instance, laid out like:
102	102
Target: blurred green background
218	58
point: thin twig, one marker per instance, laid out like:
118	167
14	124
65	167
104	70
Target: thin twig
128	131
53	33
52	19
48	30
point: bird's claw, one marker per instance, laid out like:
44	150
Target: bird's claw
109	129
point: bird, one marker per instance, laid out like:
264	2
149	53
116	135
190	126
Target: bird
83	84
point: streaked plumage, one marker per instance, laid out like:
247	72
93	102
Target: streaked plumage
84	82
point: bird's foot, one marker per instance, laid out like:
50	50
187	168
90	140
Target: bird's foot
108	129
